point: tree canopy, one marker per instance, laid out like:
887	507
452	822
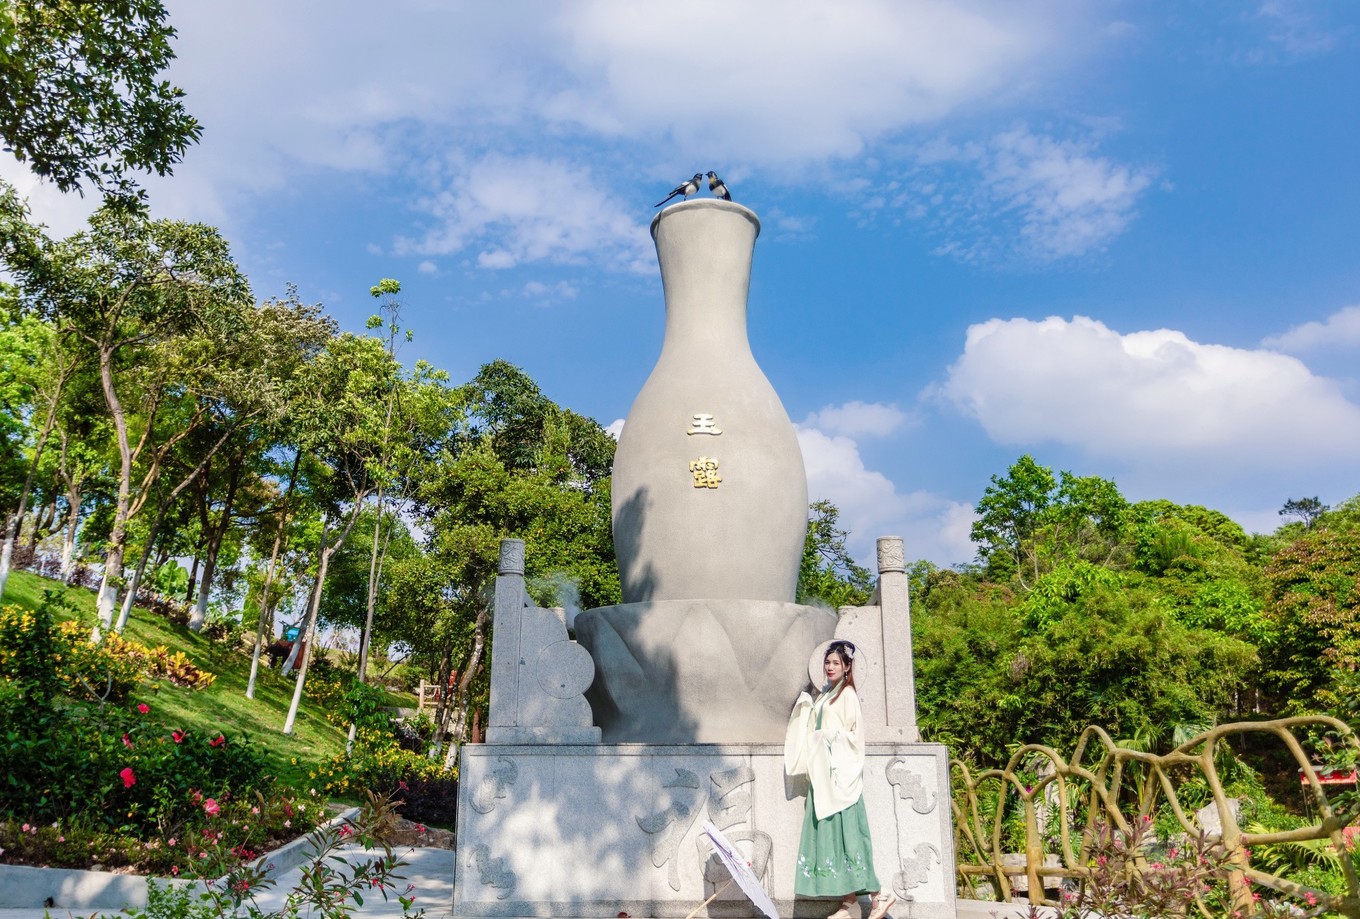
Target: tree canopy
82	96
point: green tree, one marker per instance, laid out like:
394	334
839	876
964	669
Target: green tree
1314	603
827	573
81	91
1029	521
520	466
166	291
1307	510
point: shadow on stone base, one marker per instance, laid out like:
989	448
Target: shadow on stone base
699	671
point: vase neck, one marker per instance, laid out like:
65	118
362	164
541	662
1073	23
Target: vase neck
704	248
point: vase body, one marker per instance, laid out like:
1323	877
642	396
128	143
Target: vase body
709	488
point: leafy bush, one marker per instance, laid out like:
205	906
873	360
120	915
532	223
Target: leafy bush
220	627
178	669
379	764
330	887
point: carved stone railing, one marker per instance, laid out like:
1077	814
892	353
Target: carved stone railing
1120	785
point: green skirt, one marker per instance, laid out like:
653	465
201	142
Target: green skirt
835	856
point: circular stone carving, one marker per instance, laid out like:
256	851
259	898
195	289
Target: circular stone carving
565	669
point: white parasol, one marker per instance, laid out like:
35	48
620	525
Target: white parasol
741	872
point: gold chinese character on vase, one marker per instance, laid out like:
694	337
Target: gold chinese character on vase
703	424
705	471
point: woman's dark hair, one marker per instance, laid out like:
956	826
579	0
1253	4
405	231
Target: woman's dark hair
845	650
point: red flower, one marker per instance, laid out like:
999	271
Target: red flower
143	707
128	778
127	741
210	808
195	795
218	741
177	735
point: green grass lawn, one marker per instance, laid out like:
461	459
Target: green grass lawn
222	706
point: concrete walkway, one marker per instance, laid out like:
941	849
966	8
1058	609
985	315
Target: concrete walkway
429	871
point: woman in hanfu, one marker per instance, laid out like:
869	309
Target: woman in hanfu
825	742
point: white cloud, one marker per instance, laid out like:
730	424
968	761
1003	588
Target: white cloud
1294	29
63	214
871	506
857	419
1019	193
1339	330
1152	398
783	82
525	209
614	428
639	88
427	267
550	293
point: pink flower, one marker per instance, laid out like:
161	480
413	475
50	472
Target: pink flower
195	795
61	839
254	810
1311	898
211	808
218	742
143	707
178	736
127	741
171	841
128	778
174	869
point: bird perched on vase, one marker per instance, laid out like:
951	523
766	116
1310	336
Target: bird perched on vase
716	186
684	188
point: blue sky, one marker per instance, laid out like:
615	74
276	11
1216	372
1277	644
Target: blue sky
1123	237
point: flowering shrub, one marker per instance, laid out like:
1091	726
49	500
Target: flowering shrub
217	836
30	641
330	887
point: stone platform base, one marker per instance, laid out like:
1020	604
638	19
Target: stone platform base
594	830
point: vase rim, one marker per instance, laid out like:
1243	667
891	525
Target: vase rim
710	203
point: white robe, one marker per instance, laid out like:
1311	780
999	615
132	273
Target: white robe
833	757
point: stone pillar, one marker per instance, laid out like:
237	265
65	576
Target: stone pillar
885	674
538	674
894	597
505	635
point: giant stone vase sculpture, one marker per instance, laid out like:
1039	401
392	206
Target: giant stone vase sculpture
710	513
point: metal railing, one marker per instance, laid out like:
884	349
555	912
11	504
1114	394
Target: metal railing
1120	785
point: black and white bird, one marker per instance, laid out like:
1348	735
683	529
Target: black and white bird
716	186
684	188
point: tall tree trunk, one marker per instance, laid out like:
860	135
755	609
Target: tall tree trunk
214	547
310	634
474	664
16	521
68	538
109	582
43	518
291	660
265	620
130	597
372	595
193	574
